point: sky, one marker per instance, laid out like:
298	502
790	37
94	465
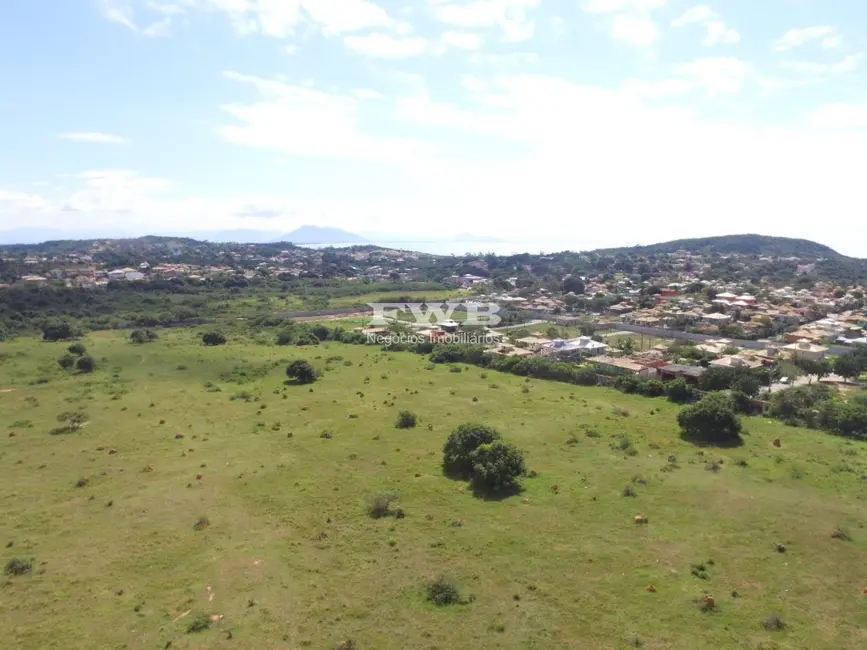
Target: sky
584	122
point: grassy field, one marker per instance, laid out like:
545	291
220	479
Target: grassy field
289	557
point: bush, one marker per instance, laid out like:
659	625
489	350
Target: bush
379	505
198	623
60	332
18	566
77	348
742	402
651	388
213	338
585	377
713	419
679	392
143	336
301	372
461	443
443	591
85	364
67	361
72	420
626	384
406	420
497	466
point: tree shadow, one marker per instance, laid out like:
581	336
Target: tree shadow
700	441
485	493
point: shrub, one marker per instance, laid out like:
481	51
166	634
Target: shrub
199	622
629	491
773	622
679	392
406	420
140	337
652	388
585	377
60	332
85	364
72	420
201	523
67	361
77	348
301	372
379	505
626	384
443	591
461	443
18	566
713	419
214	338
497	466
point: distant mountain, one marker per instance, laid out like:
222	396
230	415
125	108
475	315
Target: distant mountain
324	236
239	236
742	244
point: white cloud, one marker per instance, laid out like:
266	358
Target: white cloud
848	64
798	37
637	30
113	191
840	116
512	16
463	40
614	6
630	20
118	11
717	31
385	46
716	75
94	137
304	121
14	201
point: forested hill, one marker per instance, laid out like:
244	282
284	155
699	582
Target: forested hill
742	244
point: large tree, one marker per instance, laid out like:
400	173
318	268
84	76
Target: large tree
301	372
712	419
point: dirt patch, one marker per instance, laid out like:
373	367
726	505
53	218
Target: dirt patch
7	390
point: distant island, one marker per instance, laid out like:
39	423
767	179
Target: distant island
310	235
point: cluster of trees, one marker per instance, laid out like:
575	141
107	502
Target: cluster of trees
820	407
77	358
477	453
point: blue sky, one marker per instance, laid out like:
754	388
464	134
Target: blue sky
587	122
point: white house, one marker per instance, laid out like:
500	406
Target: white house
806	350
581	345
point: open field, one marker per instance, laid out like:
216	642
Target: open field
290	558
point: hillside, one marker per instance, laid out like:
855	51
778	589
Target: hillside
202	485
741	244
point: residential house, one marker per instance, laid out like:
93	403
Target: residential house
532	343
806	350
690	374
716	319
613	365
583	345
737	361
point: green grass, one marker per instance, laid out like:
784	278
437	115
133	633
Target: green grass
293	560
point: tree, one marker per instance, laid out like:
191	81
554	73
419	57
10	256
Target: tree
848	366
301	372
60	332
747	383
141	337
77	348
461	443
625	344
819	367
712	419
679	392
573	284
213	338
497	466
716	378
85	364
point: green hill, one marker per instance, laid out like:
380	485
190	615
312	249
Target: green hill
740	244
